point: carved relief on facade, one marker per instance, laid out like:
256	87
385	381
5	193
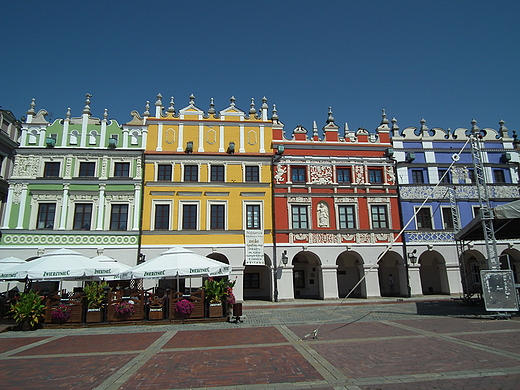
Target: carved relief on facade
17	192
46	197
169	136
279	175
323	215
378	200
68	167
320	174
79	197
459	173
104	168
299	199
390	175
119	198
27	166
211	136
138	168
363	238
359	174
252	137
346	200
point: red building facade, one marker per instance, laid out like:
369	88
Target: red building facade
336	214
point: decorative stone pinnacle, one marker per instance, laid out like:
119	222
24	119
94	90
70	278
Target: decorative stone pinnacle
211	107
105	114
171	109
232	101
474	127
384	121
147	109
330	119
264	103
159	100
275	113
31	110
67	115
252	110
86	109
394	124
192	99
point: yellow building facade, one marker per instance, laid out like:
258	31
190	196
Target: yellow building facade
208	187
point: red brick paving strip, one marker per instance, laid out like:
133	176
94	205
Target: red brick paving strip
498	382
224	337
76	373
352	330
10	344
222	367
417	356
449	324
508	341
95	343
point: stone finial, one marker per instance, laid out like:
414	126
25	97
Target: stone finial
211	110
384	121
395	128
330	119
192	100
147	109
86	109
264	103
171	109
158	102
275	113
105	114
424	129
474	128
252	110
31	110
314	129
232	101
67	115
503	129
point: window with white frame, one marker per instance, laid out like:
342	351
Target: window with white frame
46	215
379	216
253	216
423	218
447	218
119	217
300	216
217	216
191	173
161	216
189	216
82	216
347	216
164	172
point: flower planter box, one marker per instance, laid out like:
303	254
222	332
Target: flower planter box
215	310
156	313
94	315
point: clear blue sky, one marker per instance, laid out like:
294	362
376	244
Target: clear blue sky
446	61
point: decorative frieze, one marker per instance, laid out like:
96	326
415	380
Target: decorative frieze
64	240
298	199
320	174
340	238
430	236
461	192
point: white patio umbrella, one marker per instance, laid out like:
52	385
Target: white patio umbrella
114	265
9	262
177	262
61	264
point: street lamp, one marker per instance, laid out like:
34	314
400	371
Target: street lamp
412	257
285	259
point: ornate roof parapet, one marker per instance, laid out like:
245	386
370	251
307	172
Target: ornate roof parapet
503	131
265	107
146	113
31	111
252	109
158	106
383	130
331	129
211	110
300	133
171	109
395	128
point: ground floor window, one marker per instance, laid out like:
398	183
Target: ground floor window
252	280
299	278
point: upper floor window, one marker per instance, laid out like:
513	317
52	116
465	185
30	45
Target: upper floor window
298	174
46	213
51	169
253	216
217	217
164	172
119	217
375	175
299	216
347	217
82	216
424	218
122	169
189	217
379	215
499	175
447	218
87	169
417	176
252	173
444	176
217	173
162	217
191	173
343	175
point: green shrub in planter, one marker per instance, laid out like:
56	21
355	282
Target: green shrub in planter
29	310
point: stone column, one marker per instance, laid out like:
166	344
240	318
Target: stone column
454	279
415	279
371	281
285	283
23	201
237	273
64	207
329	284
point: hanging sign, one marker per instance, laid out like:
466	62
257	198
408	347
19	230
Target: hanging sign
254	247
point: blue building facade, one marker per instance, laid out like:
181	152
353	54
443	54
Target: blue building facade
439	195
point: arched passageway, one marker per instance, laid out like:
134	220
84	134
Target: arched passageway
307	277
392	275
350	271
258	281
434	279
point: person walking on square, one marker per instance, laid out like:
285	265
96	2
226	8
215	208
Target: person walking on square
391	283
